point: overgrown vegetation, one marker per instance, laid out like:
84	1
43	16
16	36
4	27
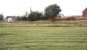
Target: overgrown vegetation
50	11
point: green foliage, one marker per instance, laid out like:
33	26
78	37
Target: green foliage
43	17
1	17
22	18
52	10
34	16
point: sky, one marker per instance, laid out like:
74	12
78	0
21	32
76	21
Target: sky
19	7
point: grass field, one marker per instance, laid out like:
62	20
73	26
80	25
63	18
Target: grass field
13	37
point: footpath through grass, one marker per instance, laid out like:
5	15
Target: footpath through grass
43	38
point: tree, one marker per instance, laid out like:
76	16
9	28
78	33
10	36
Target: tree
43	17
1	16
21	18
52	11
33	16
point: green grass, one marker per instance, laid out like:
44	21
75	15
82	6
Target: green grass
77	23
13	37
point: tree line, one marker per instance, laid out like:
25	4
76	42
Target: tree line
50	11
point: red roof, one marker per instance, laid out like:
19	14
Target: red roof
85	12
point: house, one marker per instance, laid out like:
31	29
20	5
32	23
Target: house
84	12
10	19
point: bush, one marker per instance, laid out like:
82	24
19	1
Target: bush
1	17
34	16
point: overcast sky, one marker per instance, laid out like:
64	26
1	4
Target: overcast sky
19	7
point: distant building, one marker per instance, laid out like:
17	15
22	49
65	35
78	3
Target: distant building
84	12
10	19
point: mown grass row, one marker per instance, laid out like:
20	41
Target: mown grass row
79	23
43	38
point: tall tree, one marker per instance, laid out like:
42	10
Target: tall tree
52	11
